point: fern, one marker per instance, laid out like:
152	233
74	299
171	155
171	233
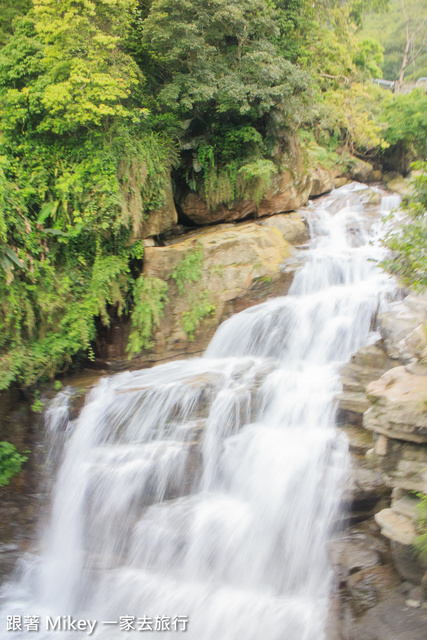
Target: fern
149	298
10	462
189	269
199	309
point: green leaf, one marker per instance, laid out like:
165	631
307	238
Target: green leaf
48	209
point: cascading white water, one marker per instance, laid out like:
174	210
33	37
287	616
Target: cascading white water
208	488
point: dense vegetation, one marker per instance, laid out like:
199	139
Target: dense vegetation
389	29
408	241
100	100
10	462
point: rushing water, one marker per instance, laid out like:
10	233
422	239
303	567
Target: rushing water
207	488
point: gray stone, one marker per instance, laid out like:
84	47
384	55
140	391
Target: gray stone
399	406
396	527
397	325
353	401
291	225
362	171
322	181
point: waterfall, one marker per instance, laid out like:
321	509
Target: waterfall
208	488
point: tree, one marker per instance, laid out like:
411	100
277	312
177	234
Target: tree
9	10
220	70
416	38
219	54
88	78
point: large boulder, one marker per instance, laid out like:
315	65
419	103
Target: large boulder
323	181
361	171
402	329
196	209
400	186
398	526
288	191
399	405
365	366
235	259
291	225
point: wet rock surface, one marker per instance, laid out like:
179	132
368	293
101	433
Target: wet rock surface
371	603
382	601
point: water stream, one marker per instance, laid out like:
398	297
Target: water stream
208	488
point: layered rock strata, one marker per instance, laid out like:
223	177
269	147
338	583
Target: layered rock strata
385	398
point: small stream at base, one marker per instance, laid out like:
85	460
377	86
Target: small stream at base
208	488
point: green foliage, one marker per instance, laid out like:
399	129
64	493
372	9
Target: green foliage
409	242
79	172
219	185
219	53
38	404
200	307
222	71
249	181
421	542
369	57
389	29
346	109
88	79
189	269
10	9
253	180
10	462
359	7
149	295
351	116
406	117
326	155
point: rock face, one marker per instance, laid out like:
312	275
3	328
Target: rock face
160	220
362	171
397	418
236	258
196	209
291	226
402	329
368	364
323	181
289	191
371	603
243	264
399	408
